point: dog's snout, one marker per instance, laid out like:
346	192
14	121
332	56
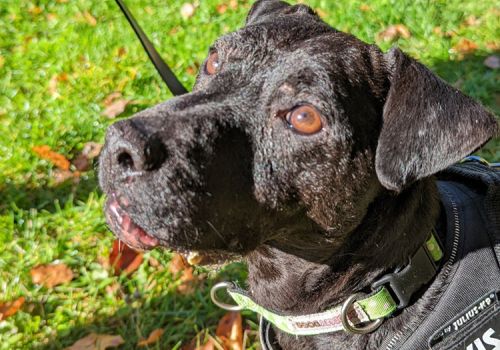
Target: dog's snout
133	149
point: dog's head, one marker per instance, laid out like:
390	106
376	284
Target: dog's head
292	129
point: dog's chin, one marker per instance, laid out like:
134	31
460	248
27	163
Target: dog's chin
133	235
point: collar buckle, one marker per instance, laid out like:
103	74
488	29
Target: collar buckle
403	284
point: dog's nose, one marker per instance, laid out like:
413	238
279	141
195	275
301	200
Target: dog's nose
133	148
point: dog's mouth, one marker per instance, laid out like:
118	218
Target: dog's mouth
137	238
124	227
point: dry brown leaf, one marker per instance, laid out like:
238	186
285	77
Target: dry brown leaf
112	97
35	10
179	266
83	161
492	62
437	30
187	10
230	331
465	47
10	308
121	52
207	345
154	336
365	7
123	258
89	19
153	262
45	152
221	8
51	17
394	32
116	108
233	4
95	341
493	45
471	21
2	61
321	13
61	176
51	275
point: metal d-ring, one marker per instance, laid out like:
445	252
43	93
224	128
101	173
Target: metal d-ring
373	325
213	295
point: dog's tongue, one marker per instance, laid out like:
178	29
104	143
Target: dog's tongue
129	232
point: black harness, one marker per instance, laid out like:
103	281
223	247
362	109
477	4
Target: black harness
467	313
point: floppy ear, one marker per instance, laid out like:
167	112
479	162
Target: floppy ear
427	124
262	9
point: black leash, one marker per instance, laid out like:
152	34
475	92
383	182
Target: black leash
163	69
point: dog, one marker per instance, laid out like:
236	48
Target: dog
320	161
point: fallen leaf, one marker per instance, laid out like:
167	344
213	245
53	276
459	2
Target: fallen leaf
206	345
154	336
10	308
51	275
221	8
179	266
493	45
95	341
233	4
83	162
51	17
230	331
394	32
45	152
365	7
121	52
53	83
89	18
465	46
116	108
187	10
437	30
149	10
61	176
2	61
53	86
471	21
35	10
112	97
153	262
123	258
492	62
321	13
113	288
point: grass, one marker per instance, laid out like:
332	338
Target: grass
43	222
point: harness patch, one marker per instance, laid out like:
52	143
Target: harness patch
476	328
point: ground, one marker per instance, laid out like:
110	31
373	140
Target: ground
60	59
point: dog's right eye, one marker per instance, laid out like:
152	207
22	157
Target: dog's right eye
212	66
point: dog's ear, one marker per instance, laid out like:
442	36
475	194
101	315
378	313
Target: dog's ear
262	9
427	124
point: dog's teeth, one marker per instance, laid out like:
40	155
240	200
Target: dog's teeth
194	258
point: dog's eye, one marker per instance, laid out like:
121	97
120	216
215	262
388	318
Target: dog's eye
212	66
305	120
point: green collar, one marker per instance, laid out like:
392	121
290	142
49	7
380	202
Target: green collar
360	313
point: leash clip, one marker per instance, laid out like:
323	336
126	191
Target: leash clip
344	313
213	296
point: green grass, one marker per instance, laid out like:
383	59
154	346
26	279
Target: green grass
41	222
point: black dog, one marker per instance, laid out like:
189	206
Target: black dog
312	155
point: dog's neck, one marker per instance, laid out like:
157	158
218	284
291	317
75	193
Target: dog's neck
390	232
